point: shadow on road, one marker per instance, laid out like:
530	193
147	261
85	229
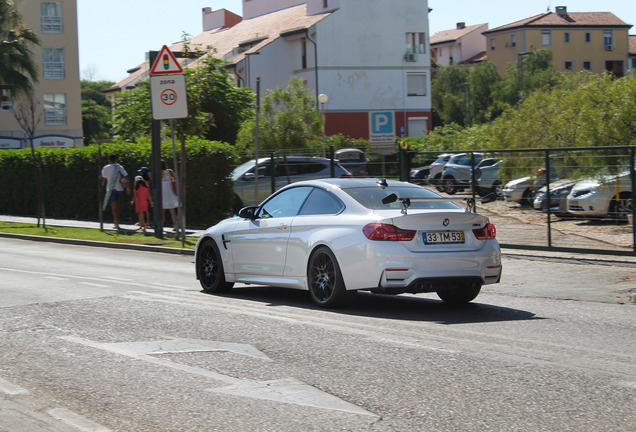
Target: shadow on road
395	307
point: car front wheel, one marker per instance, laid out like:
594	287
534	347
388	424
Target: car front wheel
210	269
326	285
621	208
460	293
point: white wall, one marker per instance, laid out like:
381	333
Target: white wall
361	54
254	8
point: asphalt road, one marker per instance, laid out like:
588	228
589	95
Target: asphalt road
96	339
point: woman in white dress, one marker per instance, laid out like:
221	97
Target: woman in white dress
170	201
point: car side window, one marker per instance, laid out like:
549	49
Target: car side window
285	204
321	202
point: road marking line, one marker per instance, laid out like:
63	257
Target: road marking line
11	389
72	419
289	390
93	284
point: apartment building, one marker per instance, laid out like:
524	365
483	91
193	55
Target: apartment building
365	56
592	41
58	92
463	44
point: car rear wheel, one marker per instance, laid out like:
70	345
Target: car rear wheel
326	285
526	199
460	293
210	269
449	185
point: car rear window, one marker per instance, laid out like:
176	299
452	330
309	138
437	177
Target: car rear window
371	197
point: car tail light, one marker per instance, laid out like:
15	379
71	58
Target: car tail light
488	232
347	175
386	232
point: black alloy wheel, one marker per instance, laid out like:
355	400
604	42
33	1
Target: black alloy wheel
210	269
326	285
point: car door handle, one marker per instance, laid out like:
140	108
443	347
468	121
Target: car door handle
282	226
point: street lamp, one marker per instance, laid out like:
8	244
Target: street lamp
466	88
520	68
323	99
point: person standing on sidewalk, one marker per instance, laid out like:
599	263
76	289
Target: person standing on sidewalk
115	177
169	193
141	198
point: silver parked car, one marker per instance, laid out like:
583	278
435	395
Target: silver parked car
287	170
609	196
458	171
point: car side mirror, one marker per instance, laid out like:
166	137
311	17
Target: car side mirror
249	176
248	213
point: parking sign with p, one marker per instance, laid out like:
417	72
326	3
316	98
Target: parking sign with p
381	126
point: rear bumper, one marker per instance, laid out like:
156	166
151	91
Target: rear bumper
424	270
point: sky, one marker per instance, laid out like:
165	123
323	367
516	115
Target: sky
115	35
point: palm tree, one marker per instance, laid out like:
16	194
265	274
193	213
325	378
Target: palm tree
17	67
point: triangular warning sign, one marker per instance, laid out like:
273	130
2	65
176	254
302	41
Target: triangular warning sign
165	63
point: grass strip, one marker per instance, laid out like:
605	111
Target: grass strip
112	236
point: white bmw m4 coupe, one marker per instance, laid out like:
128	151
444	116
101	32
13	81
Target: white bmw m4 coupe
335	237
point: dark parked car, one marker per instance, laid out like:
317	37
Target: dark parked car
353	160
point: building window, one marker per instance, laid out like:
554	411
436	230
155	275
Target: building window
587	65
325	4
304	54
52	18
608	38
53	63
55	109
492	43
588	37
513	40
415	43
566	37
568	65
416	84
546	38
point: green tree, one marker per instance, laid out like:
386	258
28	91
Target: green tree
289	119
17	67
447	97
96	111
482	80
216	107
131	113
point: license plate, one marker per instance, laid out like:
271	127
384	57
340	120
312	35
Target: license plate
443	237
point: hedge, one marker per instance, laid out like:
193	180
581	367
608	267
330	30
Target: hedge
71	179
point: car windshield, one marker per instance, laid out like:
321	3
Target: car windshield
371	197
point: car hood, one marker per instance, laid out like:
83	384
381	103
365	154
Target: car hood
519	181
557	185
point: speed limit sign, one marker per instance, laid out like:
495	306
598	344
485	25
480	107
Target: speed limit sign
168	97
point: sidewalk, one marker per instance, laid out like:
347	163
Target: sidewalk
108	226
194	233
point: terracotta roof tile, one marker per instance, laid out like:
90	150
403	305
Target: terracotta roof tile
580	19
452	35
263	29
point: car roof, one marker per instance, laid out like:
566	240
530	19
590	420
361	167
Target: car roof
353	182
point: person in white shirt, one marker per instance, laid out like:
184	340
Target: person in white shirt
115	177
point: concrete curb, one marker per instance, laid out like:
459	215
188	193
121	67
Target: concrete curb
111	245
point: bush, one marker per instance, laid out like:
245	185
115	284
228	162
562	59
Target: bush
72	179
